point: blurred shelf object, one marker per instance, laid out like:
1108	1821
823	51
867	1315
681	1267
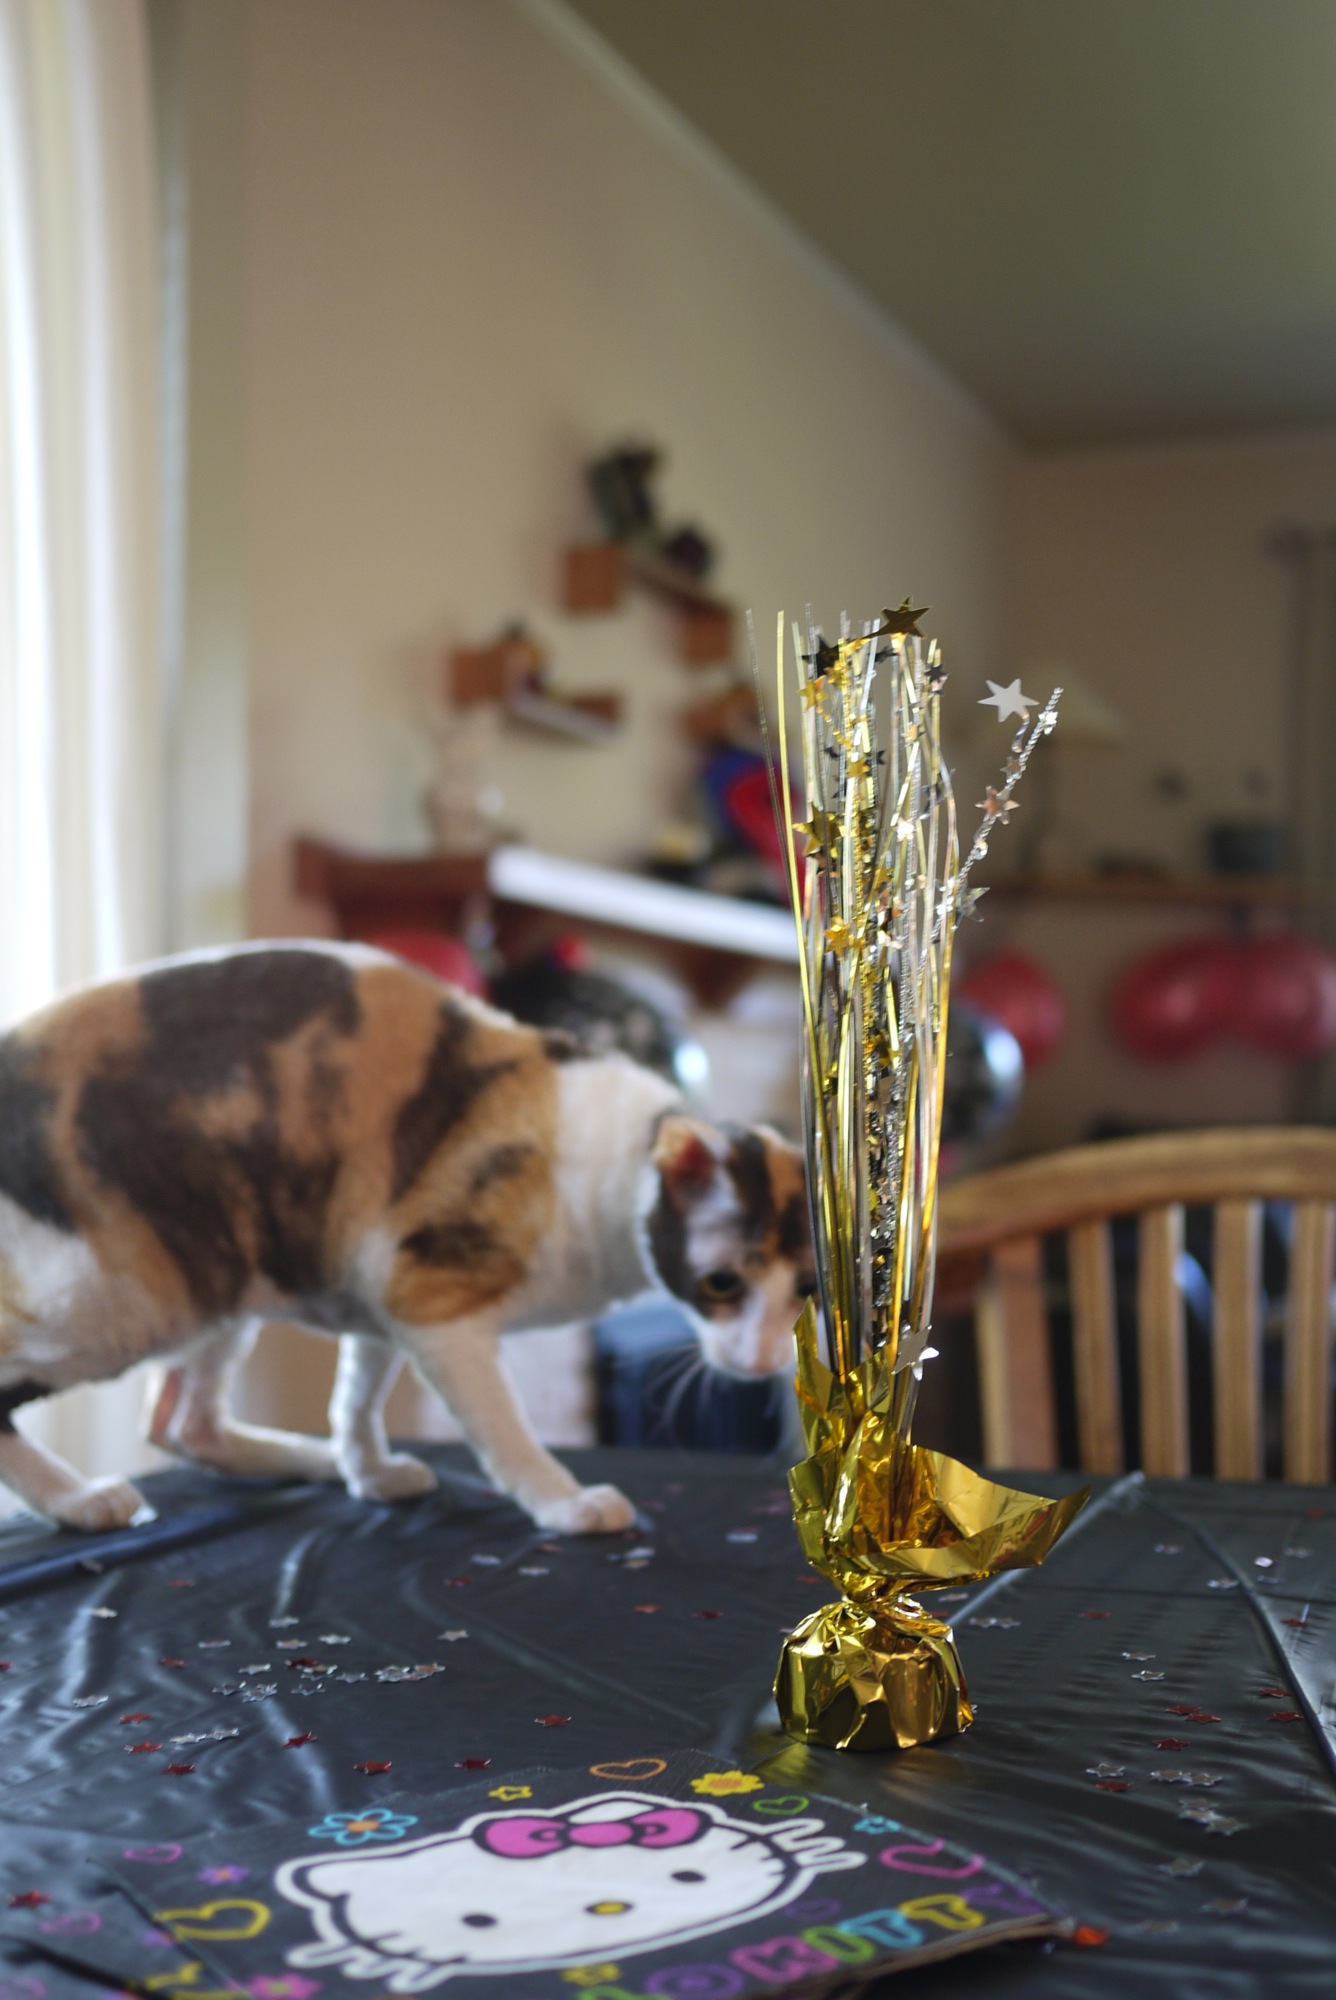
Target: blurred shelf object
598	575
715	944
373	893
512	673
1127	886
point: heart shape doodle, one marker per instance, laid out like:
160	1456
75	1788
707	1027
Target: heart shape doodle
194	1923
635	1767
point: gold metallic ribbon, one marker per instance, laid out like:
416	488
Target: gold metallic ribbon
880	1517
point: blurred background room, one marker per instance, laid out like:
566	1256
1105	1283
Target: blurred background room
403	406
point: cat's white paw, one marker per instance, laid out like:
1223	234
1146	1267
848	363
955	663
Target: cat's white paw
593	1510
401	1477
100	1505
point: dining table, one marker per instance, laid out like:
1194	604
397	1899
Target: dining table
1153	1751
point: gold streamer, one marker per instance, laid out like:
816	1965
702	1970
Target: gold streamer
877	896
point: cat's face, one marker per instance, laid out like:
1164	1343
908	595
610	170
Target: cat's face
728	1232
597	1879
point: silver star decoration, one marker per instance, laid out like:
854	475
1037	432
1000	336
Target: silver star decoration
1007	700
913	1351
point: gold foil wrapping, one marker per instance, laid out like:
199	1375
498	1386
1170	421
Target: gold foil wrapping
881	1517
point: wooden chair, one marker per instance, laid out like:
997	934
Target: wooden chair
991	1230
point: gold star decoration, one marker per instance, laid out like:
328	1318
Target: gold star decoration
904	622
839	936
812	690
824	658
820	832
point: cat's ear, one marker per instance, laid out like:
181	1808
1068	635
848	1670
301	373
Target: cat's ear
688	1154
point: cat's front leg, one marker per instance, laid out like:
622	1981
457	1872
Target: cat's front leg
460	1361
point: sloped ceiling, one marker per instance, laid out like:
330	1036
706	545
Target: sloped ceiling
1109	219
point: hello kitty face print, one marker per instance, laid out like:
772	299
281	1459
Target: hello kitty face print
504	1892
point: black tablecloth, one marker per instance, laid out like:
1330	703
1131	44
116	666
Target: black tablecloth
1181	1628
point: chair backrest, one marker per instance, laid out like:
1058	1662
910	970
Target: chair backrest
991	1230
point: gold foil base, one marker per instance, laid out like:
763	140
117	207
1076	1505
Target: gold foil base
865	1677
881	1517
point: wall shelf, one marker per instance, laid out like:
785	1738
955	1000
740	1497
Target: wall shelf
599	574
1218	892
715	944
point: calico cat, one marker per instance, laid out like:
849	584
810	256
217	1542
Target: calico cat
322	1133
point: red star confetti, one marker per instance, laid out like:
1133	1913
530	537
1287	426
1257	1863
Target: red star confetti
1113	1784
166	1662
1286	1715
295	1742
1180	1708
474	1764
707	1614
1201	1715
1272	1694
305	1660
1092	1614
1089	1934
1298	1623
650	1609
29	1900
552	1721
373	1767
140	1715
1171	1743
141	1749
178	1770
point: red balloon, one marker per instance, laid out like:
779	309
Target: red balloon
1171	1003
1018	992
436	952
1287	996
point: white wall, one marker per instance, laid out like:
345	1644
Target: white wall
472	263
472	254
1145	573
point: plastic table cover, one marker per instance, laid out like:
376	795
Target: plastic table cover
1154	1750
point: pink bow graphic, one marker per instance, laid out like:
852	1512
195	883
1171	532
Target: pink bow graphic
527	1838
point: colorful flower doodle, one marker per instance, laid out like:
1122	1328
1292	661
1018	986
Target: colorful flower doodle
718	1784
356	1829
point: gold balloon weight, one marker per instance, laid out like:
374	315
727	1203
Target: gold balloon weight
877	894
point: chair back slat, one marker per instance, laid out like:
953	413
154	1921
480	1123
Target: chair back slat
1160	1344
1307	1449
1099	1402
996	1221
1015	1365
1237	1346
